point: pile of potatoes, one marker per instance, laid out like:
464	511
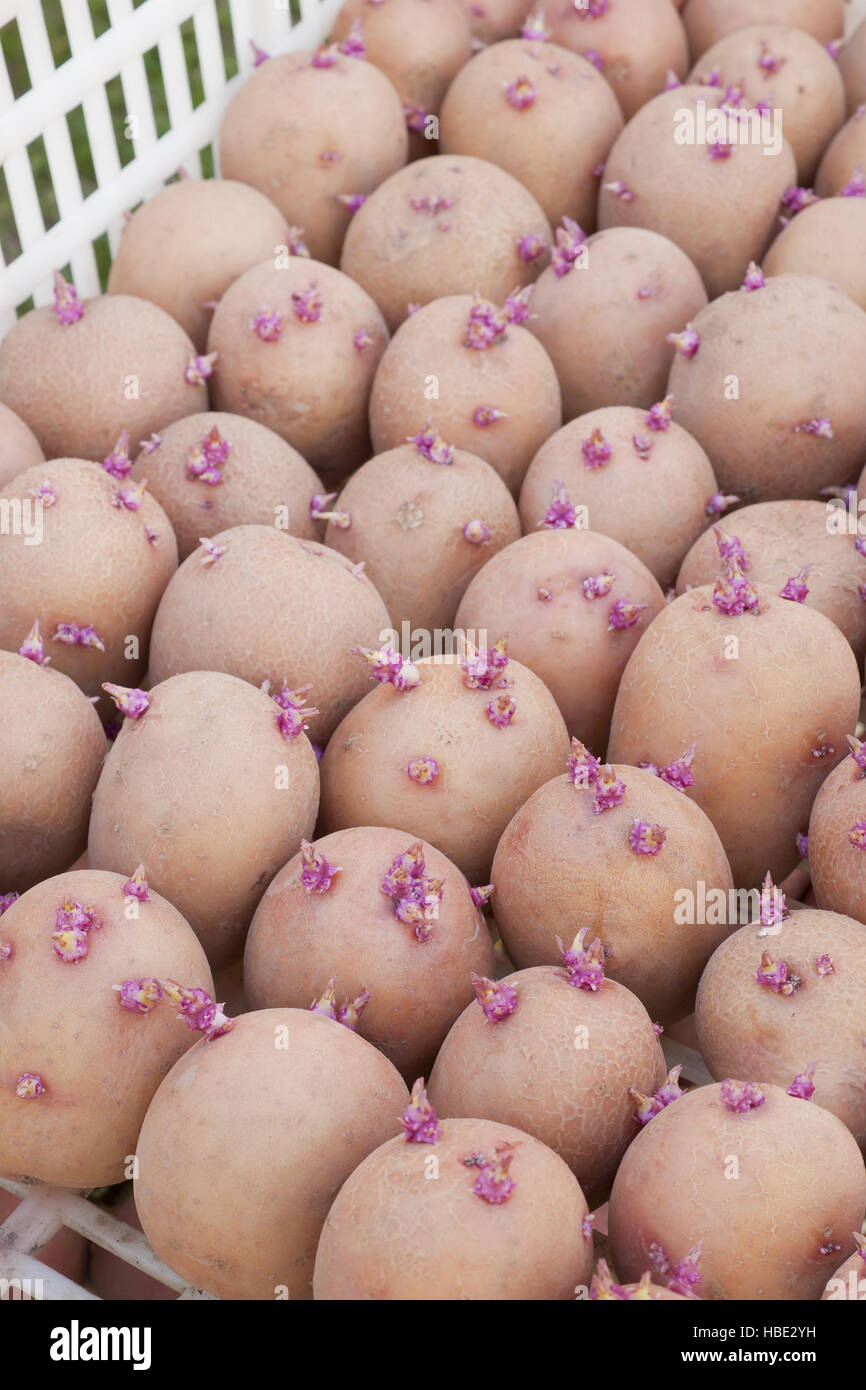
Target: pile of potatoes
432	624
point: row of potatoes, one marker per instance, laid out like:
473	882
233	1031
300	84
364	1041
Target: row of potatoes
372	651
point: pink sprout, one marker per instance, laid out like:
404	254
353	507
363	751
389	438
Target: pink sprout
647	1107
658	1259
350	1011
529	248
67	305
802	843
736	594
493	1183
623	614
856	185
295	242
560	515
713	78
389	667
535	28
485	327
857	834
583	768
129	498
824	966
136	886
307	304
660	415
497	999
363	339
212	550
687	342
741	1096
293	713
317	874
596	450
584	964
414	895
646	838
620	190
774	906
719	151
197	1010
545	595
501	711
33	647
268	324
198	369
71	635
754	278
609	790
642	445
767	61
593	56
686	1272
860	545
477	532
730	548
516	306
147	446
353	45
139	996
416	118
774	975
45	494
430	443
678	774
796	587
118	462
719	502
485	415
590	9
259	54
70	943
796	199
671	80
568	246
6	950
520	93
129	700
858	753
29	1086
326	56
431	203
419	1120
483	669
424	770
6	901
803	1085
598	585
481	895
822	429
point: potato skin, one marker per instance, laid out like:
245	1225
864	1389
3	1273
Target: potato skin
746	1029
620	356
801	1184
186	245
565	639
100	1063
391	1235
752	440
272	608
654	507
552	146
191	789
312	387
836	866
758	717
485	772
638	41
852	66
401	255
560	867
51	750
559	1067
707	21
93	566
721	212
845	152
516	376
70	383
19	447
261	475
288	114
247	1143
298	940
408	516
824	239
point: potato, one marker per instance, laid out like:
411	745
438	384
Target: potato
271	608
19	447
652	498
792	70
767	696
577	643
77	384
558	1066
95	578
205	791
298	348
763	417
301	937
64	1026
842	168
499	402
722	212
541	112
391	1235
635	288
445	225
835	857
423	529
247	1143
261	479
485	769
495	19
51	749
635	43
308	131
814	1032
852	66
708	21
779	538
561	866
775	1232
182	248
825	239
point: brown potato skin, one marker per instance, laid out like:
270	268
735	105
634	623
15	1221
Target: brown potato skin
639	41
246	1145
189	790
313	386
707	21
188	243
807	89
852	66
51	748
19	447
422	567
485	772
560	867
721	212
631	500
287	114
515	376
261	475
68	382
401	256
551	146
559	1067
780	537
836	866
746	1029
842	156
272	608
801	1183
565	639
825	239
391	1235
793	688
100	1063
94	565
608	345
299	940
751	441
